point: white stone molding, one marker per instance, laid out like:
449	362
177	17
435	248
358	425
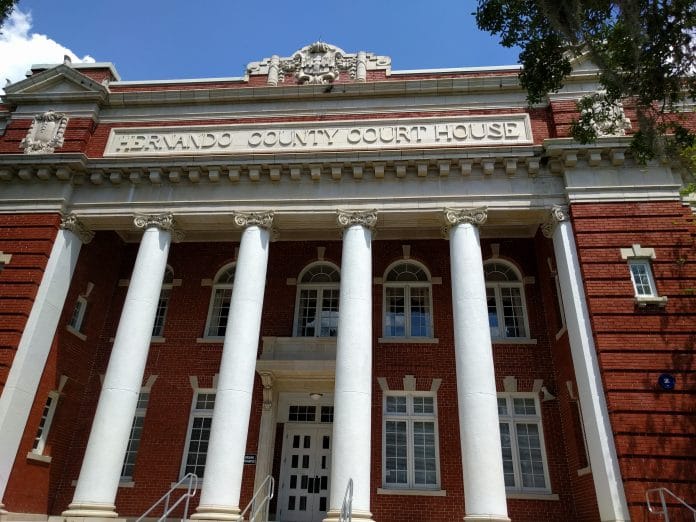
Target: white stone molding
46	133
99	478
604	462
267	382
260	219
72	223
367	218
636	251
33	349
607	118
510	384
558	214
409	383
319	63
267	431
4	259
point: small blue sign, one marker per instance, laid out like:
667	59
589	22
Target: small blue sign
666	381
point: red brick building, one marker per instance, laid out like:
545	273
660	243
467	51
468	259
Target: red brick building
327	271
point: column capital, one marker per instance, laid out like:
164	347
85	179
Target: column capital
472	216
365	218
73	224
259	219
162	221
557	214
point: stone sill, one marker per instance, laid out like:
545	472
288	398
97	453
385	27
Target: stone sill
587	470
194	486
560	332
408	340
532	496
126	484
77	334
38	457
413	492
158	340
644	300
513	340
210	340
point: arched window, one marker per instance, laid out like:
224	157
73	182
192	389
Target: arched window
219	309
316	311
507	313
407	301
163	303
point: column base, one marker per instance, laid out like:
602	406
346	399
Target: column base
486	518
333	516
220	513
88	512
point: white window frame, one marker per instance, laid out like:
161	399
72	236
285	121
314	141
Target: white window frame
194	414
163	303
320	288
410	417
497	286
215	287
47	417
407	285
514	420
140	412
640	256
78	314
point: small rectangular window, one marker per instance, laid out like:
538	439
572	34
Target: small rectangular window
642	278
199	433
78	314
45	423
135	436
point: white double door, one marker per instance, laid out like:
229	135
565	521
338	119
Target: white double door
305	473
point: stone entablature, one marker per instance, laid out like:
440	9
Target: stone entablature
319	63
466	131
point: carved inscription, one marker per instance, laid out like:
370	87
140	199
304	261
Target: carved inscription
472	131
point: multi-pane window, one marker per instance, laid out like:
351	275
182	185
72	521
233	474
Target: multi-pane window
642	277
317	301
163	303
78	314
522	441
199	433
45	423
219	309
410	451
507	314
135	436
407	301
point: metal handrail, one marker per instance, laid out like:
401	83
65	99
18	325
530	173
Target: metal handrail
268	485
190	492
346	514
663	503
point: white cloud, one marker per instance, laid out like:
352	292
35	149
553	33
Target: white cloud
20	48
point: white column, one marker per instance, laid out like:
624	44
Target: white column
351	455
267	432
222	482
97	485
482	461
611	498
35	343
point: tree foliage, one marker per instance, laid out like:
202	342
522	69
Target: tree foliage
6	7
645	51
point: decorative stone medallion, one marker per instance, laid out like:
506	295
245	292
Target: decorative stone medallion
46	133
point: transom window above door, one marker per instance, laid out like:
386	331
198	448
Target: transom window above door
316	310
407	301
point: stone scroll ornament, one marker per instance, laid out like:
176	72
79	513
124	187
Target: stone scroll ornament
161	221
456	216
557	214
73	224
367	219
259	219
46	133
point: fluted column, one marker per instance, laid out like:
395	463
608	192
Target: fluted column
222	483
97	485
484	481
35	343
606	473
351	456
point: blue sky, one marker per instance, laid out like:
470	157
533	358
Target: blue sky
157	39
